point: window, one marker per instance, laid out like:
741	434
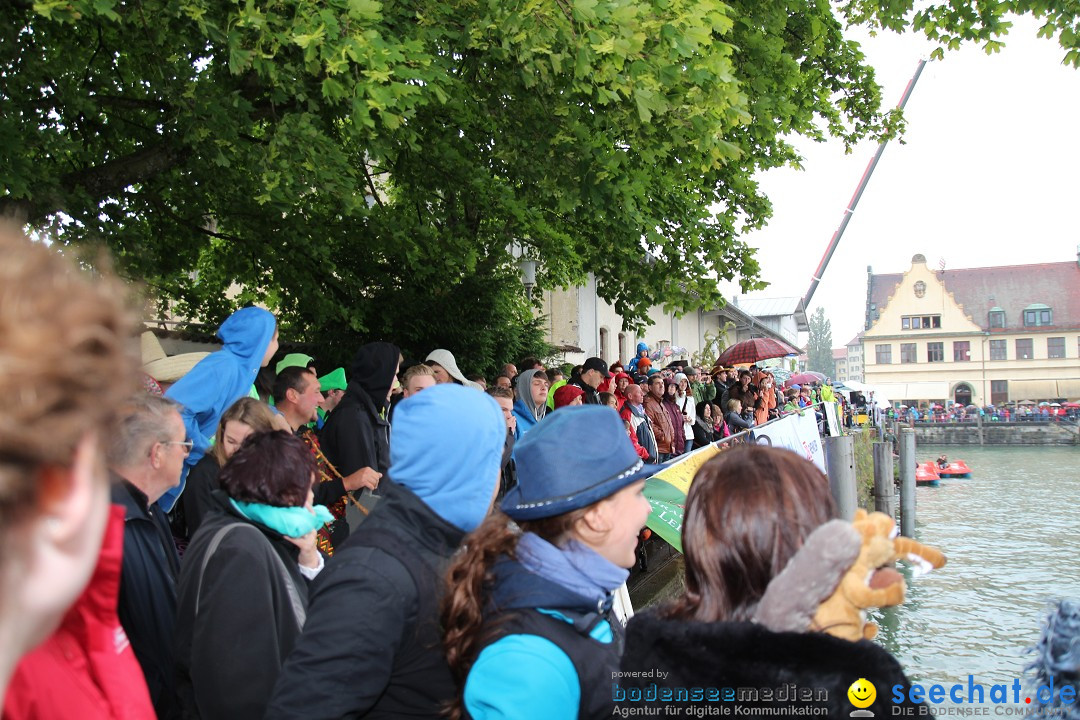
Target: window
935	352
1055	347
622	346
997	318
909	352
920	322
998	350
961	351
1024	349
1036	315
999	391
884	354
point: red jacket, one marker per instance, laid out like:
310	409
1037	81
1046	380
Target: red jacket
86	669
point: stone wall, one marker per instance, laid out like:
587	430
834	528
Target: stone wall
999	433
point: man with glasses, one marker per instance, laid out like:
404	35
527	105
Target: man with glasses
146	454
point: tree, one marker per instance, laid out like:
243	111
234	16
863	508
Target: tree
343	159
819	347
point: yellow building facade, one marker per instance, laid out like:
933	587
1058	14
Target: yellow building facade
975	335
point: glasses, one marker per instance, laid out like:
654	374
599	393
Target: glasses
187	444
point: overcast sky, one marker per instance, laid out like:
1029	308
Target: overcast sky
987	175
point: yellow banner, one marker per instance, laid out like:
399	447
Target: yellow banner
682	473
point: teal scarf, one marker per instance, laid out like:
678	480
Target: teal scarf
289	521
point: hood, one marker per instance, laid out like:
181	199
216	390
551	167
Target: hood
515	587
372	371
523	386
446	445
445	358
642	347
246	334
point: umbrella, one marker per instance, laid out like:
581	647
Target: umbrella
754	349
804	378
1071	405
1044	404
1026	402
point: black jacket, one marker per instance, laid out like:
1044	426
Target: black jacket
592	397
372	645
228	658
355	434
743	655
147	605
197	499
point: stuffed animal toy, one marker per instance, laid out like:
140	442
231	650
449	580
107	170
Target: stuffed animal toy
841	570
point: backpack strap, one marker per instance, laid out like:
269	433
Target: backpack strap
297	604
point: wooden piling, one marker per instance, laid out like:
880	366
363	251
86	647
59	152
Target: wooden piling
884	484
840	464
907	482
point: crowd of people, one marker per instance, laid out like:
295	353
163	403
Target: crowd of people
955	413
376	541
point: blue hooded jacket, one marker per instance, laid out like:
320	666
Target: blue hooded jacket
446	446
524	407
631	367
218	381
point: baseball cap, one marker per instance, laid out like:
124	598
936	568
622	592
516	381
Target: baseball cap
595	363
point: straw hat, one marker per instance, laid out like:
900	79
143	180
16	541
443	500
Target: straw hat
165	368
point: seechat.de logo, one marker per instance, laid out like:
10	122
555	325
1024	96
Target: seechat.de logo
862	694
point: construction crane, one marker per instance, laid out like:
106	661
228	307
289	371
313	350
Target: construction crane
804	304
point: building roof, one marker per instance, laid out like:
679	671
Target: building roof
768	307
839	353
1010	287
857	340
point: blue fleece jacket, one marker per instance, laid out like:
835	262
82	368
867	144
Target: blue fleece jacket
219	380
446	446
529	677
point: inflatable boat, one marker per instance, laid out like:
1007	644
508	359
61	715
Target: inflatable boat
927	474
955	469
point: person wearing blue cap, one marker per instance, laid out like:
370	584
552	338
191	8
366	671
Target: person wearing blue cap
537	642
371	645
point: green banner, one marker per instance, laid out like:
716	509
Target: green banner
666	492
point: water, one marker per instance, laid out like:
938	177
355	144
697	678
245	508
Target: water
1011	535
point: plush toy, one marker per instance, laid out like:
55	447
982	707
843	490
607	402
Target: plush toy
841	570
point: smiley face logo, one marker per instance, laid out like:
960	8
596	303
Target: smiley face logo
862	693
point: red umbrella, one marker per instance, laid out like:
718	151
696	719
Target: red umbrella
804	378
753	350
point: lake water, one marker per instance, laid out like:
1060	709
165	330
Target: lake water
1010	534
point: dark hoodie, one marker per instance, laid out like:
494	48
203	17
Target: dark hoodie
550	647
356	435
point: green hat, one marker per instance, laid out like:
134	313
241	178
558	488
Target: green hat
293	360
333	380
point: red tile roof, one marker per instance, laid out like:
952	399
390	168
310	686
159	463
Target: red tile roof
840	354
1010	287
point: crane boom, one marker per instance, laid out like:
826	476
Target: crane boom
850	209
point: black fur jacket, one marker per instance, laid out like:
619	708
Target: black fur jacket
745	664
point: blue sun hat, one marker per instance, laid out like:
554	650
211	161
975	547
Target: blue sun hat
570	460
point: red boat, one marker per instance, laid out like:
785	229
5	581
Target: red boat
927	474
955	469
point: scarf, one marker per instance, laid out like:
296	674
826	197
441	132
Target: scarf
291	522
575	567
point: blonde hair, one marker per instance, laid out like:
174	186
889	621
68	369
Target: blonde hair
254	413
415	371
66	364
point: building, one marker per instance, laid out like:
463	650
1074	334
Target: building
840	364
974	335
785	316
855	359
580	324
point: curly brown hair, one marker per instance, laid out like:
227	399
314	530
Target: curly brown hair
66	364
